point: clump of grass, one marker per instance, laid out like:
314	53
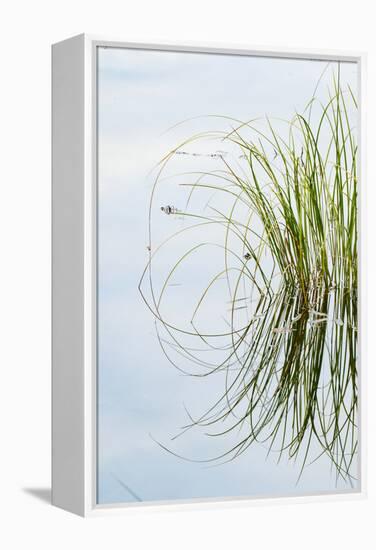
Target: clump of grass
289	249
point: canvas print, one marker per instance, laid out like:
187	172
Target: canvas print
227	362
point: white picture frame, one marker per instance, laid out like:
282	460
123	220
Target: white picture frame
74	233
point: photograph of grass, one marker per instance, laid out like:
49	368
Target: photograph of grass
227	279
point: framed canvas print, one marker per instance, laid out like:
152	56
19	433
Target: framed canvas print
207	285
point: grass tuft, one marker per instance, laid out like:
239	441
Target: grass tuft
285	204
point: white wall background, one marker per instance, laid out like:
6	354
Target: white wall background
26	31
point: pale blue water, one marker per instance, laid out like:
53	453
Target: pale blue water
141	395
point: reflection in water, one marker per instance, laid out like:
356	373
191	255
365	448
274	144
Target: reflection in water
285	335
